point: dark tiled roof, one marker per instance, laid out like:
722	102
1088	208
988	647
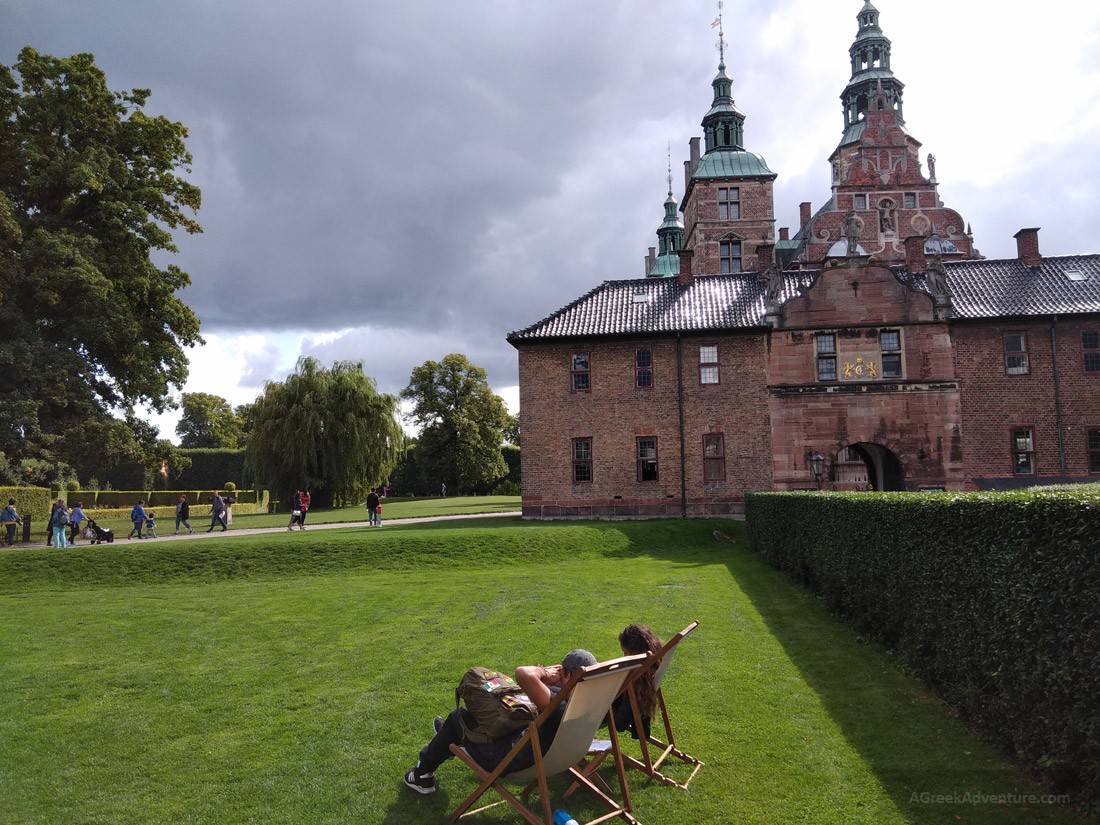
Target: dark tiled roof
992	289
980	289
709	302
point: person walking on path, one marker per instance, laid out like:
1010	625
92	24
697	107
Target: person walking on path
59	523
183	513
295	510
9	517
217	513
76	518
372	507
137	516
305	510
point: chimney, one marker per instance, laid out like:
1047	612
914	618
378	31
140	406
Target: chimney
651	259
804	214
784	233
1027	247
685	277
693	148
915	259
687	175
765	257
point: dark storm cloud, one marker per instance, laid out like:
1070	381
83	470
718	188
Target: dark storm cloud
429	176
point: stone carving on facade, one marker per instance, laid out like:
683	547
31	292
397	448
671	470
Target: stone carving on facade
886	216
852	226
936	278
932	168
774	289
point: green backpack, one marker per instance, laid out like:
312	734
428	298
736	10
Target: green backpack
496	706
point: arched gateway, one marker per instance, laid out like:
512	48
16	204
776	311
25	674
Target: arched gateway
868	466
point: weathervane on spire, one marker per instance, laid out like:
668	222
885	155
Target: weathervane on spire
721	35
670	167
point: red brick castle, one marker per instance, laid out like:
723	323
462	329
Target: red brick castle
873	349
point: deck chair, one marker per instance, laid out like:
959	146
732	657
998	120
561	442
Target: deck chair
647	764
589	703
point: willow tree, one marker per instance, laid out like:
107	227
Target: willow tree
326	430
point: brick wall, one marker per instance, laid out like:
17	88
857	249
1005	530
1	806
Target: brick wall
844	296
615	413
704	231
995	402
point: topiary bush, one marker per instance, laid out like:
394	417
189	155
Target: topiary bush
992	598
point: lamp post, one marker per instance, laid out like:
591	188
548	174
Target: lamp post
817	464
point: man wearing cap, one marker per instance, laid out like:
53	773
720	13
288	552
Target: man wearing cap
540	684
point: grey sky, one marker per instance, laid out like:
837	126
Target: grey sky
394	181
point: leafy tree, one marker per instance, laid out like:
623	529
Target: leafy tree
246	415
461	423
326	430
511	429
89	193
159	456
208	421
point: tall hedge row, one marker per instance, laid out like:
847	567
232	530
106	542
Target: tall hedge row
115	499
993	598
210	469
32	501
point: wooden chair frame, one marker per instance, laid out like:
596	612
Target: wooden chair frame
648	765
495	779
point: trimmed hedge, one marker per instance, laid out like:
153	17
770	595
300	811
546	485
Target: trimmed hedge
993	598
32	501
168	511
210	469
125	499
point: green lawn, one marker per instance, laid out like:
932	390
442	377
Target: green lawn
391	509
292	678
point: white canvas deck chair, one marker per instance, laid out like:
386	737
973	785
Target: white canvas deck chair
588	705
647	764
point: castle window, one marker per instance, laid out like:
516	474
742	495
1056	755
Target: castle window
714	457
1016	361
909	200
889	341
825	345
1094	451
708	364
582	460
1023	451
643	369
730	257
647	458
1090	343
860	202
581	372
729	203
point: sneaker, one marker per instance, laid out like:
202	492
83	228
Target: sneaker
437	723
421	783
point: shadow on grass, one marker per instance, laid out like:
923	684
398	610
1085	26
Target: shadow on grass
929	765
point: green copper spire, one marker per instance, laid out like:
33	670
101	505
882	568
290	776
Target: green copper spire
870	54
723	125
670	234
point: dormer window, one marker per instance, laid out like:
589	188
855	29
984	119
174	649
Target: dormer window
730	257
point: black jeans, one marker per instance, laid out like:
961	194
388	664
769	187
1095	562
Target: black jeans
9	526
488	756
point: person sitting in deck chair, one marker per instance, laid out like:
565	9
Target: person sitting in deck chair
540	684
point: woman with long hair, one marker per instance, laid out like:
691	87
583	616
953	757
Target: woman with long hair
636	639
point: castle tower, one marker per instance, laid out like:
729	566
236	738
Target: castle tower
670	236
728	202
877	175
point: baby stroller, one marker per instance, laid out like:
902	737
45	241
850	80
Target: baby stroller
99	534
